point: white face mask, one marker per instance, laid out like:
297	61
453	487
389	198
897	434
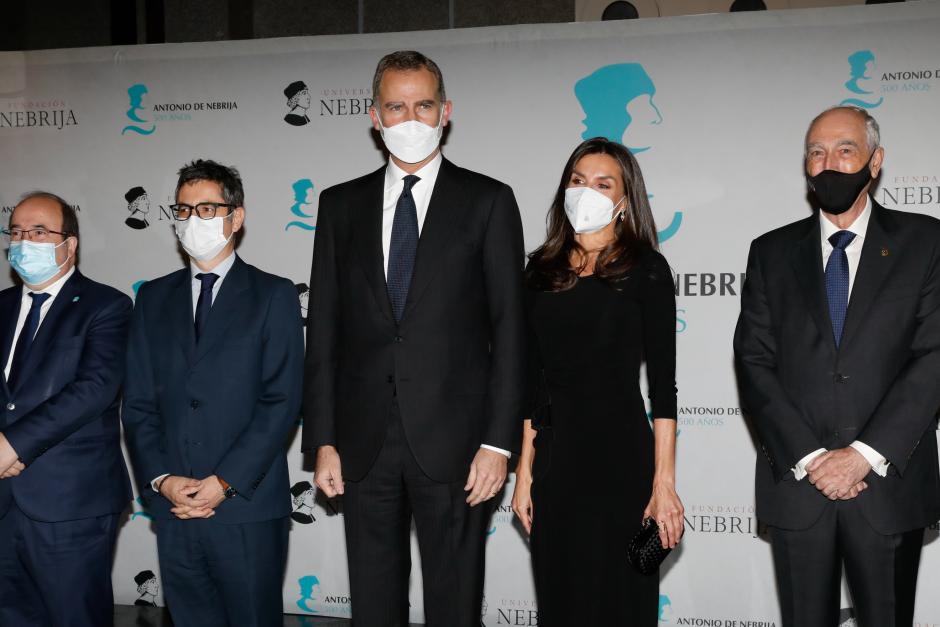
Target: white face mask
588	210
412	141
202	239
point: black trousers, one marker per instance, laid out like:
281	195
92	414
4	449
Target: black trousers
451	538
881	570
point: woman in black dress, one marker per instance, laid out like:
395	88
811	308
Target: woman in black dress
601	301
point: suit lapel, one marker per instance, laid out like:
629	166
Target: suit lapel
49	327
368	233
10	304
180	314
873	268
223	309
439	223
807	264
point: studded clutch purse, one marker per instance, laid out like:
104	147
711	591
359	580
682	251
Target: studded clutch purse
645	551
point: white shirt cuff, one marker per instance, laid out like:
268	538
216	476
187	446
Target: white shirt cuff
153	484
498	450
799	471
877	461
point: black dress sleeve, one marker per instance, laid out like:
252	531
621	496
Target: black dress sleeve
537	400
658	306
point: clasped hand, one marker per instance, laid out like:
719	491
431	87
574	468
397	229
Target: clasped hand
193	498
10	464
839	474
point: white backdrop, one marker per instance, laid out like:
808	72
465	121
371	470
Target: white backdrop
716	108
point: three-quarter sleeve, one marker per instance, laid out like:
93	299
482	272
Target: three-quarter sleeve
658	304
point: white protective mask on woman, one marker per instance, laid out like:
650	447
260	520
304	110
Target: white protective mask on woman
412	141
588	210
203	239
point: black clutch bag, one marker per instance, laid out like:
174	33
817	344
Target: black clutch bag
645	551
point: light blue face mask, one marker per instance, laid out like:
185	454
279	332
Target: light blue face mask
33	261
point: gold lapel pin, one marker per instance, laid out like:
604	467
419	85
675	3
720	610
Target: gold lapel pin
884	252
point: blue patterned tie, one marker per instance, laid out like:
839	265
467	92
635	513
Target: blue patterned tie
204	304
403	248
837	281
25	341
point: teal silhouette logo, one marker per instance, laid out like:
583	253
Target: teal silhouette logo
303	200
135	94
618	104
665	609
861	63
309	585
135	287
142	512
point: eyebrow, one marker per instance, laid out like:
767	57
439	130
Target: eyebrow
34	226
603	176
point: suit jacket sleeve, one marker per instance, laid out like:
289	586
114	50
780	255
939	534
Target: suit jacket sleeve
140	415
319	409
910	406
278	406
98	379
503	257
784	432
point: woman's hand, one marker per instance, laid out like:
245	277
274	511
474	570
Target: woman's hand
522	500
666	510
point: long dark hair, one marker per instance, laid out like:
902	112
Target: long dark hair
549	266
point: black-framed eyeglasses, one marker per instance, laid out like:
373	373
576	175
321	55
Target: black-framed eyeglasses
33	235
204	210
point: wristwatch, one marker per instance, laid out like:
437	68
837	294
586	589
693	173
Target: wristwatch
227	490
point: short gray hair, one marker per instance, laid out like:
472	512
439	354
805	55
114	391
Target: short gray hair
872	130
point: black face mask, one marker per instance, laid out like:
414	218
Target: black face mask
835	192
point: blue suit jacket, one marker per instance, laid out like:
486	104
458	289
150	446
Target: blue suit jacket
62	416
223	406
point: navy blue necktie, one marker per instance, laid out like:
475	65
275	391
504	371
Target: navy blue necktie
403	248
837	281
204	304
25	341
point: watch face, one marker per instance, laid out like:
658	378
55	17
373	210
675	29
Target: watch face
230	492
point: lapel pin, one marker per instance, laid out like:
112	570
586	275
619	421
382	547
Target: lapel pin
884	252
75	300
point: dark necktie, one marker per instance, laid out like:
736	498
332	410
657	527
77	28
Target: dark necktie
837	281
25	341
204	304
403	248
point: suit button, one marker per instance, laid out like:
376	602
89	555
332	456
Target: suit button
399	339
11	406
194	404
839	378
390	379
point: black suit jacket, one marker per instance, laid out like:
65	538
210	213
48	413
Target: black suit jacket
223	406
456	358
881	386
62	415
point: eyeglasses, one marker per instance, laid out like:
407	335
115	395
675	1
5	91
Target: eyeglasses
205	210
33	235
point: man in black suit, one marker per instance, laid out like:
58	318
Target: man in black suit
63	482
414	356
217	355
838	356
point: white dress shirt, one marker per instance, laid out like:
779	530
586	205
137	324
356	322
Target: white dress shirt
421	193
221	270
26	304
854	254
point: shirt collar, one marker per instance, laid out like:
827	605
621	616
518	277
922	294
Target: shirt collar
220	270
859	227
394	174
54	289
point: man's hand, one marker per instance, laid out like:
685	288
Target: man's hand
839	474
210	491
8	456
13	470
328	473
487	475
180	492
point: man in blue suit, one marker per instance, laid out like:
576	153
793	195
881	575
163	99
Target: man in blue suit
217	355
63	482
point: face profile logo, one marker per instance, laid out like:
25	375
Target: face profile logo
142	512
298	101
135	94
138	204
861	63
309	585
665	609
147	588
303	294
303	199
303	496
618	104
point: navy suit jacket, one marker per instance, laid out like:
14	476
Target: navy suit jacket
223	406
62	416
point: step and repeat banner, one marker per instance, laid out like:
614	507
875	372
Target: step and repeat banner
714	107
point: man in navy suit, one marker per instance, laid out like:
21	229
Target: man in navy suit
63	482
217	355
